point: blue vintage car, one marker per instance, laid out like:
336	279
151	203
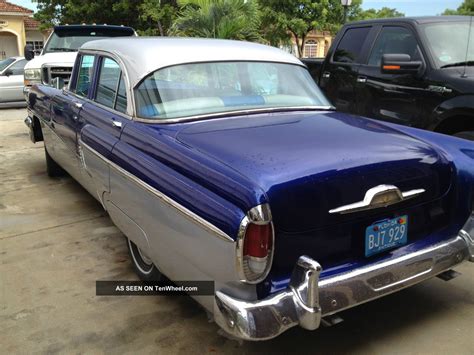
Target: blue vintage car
222	160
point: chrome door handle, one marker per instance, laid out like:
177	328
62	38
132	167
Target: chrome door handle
361	79
326	75
117	124
78	104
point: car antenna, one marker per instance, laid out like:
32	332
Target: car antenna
467	49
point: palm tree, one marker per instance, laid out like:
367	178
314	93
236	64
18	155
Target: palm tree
228	19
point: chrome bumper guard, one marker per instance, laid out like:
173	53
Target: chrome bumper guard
29	123
307	299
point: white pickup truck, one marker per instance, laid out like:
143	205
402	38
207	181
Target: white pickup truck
59	53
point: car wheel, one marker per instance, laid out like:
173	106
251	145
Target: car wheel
52	168
142	264
466	135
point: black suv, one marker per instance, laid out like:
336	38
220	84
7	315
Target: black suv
412	71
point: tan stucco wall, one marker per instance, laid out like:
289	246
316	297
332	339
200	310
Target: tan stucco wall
35	35
323	39
15	26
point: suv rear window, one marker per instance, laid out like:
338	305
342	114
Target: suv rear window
351	45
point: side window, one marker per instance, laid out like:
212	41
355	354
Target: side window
351	45
85	75
109	77
121	101
394	40
18	67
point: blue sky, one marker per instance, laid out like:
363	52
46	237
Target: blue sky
414	7
409	7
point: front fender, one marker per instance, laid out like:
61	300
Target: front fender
457	106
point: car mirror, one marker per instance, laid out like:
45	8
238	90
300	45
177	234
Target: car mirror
29	52
58	83
8	72
400	64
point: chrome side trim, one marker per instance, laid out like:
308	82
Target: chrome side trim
377	197
307	299
172	203
260	214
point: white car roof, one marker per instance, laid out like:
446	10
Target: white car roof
143	55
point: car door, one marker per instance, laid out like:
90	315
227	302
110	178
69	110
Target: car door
66	109
339	77
11	82
100	124
392	97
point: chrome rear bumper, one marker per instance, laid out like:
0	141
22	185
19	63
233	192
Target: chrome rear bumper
307	299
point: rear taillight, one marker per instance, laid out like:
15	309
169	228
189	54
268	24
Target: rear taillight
255	244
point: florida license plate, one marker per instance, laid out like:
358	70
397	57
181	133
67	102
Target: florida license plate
386	234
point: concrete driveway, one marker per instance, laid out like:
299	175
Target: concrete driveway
56	241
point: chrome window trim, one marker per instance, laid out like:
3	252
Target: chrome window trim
121	114
260	215
166	199
121	77
130	112
233	113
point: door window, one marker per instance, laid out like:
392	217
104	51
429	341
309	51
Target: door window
394	40
351	45
121	101
110	88
85	75
18	67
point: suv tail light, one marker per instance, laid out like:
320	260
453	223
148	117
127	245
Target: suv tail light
255	245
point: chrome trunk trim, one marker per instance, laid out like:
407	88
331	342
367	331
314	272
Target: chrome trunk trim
377	197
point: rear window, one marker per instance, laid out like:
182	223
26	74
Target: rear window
208	88
349	48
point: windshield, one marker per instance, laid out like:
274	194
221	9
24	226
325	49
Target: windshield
218	87
5	63
71	39
448	43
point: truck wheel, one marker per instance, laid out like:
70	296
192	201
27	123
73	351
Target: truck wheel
142	264
466	135
52	168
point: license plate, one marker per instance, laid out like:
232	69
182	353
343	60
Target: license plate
386	234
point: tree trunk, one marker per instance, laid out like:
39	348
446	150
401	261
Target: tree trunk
297	40
160	28
301	47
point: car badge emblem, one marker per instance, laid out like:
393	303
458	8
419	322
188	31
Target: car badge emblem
378	197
